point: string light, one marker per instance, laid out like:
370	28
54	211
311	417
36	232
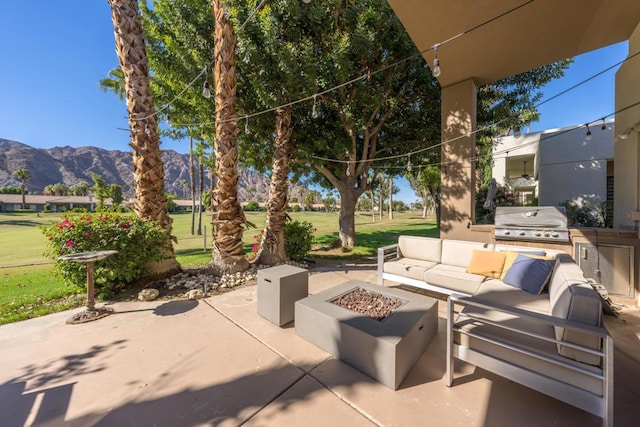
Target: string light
206	92
246	126
588	132
604	126
409	163
368	75
436	62
516	131
314	112
147	130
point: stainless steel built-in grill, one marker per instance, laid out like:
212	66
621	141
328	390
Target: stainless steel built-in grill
534	223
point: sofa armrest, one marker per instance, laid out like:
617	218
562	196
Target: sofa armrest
599	332
385	253
602	405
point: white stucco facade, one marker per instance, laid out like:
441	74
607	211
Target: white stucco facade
562	164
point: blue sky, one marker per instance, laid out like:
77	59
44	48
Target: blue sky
55	53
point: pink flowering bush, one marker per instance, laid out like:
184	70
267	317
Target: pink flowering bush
137	242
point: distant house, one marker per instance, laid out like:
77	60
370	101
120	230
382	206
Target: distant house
38	203
558	164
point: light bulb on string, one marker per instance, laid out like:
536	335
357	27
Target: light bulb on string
517	133
588	132
147	130
206	92
604	125
314	112
409	164
246	126
436	63
168	120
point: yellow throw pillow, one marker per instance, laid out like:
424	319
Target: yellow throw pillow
511	256
486	263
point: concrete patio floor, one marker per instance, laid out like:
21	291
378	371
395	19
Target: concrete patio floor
216	362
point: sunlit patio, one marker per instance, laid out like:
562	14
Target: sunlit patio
217	362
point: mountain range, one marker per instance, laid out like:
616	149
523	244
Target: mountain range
71	165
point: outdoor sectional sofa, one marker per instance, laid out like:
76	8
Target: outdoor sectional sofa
549	338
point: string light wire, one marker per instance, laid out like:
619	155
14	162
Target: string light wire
354	80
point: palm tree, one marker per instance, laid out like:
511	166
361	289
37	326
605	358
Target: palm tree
228	221
23	175
151	201
114	82
272	248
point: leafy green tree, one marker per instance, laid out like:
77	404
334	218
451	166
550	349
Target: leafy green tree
23	175
310	199
425	181
100	189
329	203
115	192
9	190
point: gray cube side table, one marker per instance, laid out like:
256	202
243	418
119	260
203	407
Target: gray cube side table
279	288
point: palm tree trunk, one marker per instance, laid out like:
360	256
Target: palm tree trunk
192	178
150	202
272	249
390	197
200	201
227	253
22	192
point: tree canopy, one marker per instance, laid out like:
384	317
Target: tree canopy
362	96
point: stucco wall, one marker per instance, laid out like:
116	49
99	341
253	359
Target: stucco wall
572	168
567	165
627	155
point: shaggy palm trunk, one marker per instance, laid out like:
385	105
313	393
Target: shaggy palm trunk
272	249
150	202
227	253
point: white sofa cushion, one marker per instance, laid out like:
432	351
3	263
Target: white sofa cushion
495	291
453	277
408	267
424	248
458	253
572	298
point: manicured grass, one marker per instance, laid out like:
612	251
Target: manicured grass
28	287
34	291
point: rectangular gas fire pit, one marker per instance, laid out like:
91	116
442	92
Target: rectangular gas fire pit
384	349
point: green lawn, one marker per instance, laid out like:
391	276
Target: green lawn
28	287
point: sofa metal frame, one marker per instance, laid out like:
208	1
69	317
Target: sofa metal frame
601	406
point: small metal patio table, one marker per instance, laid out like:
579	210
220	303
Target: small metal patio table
91	313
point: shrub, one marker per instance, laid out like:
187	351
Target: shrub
137	242
298	238
252	206
585	215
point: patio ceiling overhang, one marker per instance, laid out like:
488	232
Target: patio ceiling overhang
536	33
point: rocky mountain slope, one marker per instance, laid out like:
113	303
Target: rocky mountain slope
71	165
